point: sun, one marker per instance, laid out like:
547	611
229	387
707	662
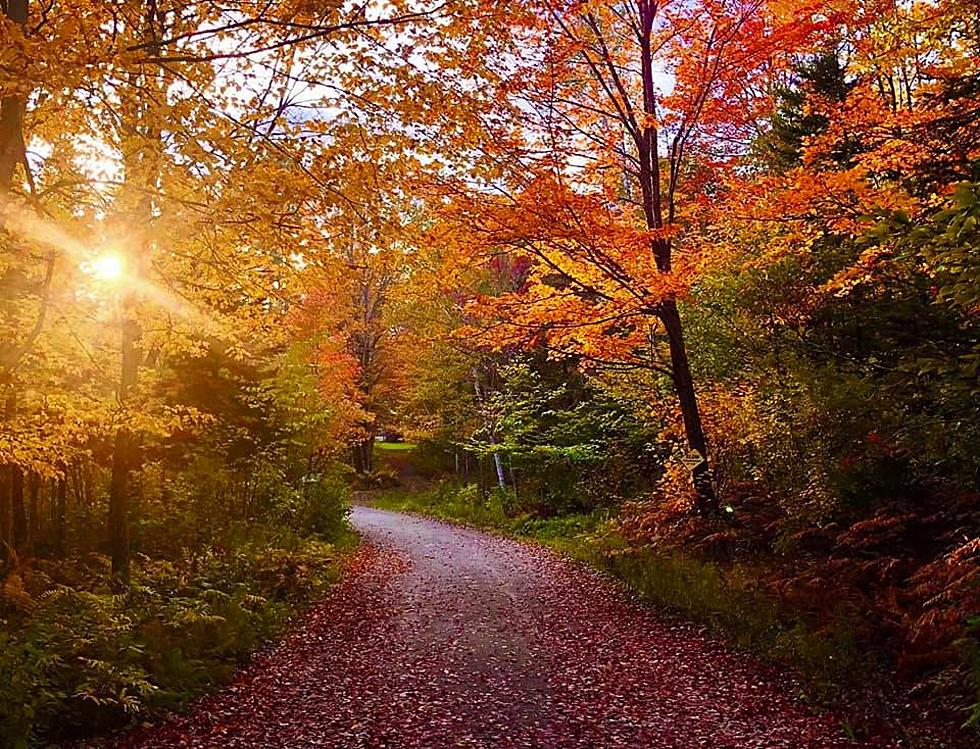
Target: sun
108	267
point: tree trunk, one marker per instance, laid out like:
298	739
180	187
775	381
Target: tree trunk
74	475
362	455
125	455
33	516
648	147
6	544
6	487
17	505
498	464
61	512
482	484
684	387
12	109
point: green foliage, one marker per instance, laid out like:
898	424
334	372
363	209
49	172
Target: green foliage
80	654
820	80
319	507
569	444
846	394
394	447
453	502
945	248
233	536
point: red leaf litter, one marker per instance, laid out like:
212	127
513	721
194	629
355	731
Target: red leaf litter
441	636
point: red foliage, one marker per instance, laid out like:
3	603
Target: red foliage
904	579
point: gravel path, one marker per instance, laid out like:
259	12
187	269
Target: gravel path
441	636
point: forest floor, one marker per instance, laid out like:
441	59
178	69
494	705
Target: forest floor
442	636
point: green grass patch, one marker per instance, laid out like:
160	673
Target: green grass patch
394	447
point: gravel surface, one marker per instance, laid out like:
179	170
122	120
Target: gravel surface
440	636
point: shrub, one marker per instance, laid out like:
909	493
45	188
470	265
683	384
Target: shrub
320	507
74	653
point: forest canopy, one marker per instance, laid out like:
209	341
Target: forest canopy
705	272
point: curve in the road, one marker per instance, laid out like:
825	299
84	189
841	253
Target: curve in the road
441	636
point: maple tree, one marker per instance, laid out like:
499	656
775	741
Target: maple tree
346	312
616	170
821	206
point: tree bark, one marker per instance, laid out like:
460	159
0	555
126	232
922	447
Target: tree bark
19	510
363	455
5	535
33	516
6	485
497	462
125	455
12	110
61	513
62	518
684	387
647	141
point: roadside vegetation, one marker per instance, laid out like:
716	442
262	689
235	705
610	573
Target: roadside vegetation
233	535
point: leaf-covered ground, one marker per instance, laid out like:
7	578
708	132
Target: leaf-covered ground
447	637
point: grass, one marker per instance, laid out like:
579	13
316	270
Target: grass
394	447
447	502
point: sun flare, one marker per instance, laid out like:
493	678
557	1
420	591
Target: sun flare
108	267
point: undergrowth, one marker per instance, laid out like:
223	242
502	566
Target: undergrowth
81	655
